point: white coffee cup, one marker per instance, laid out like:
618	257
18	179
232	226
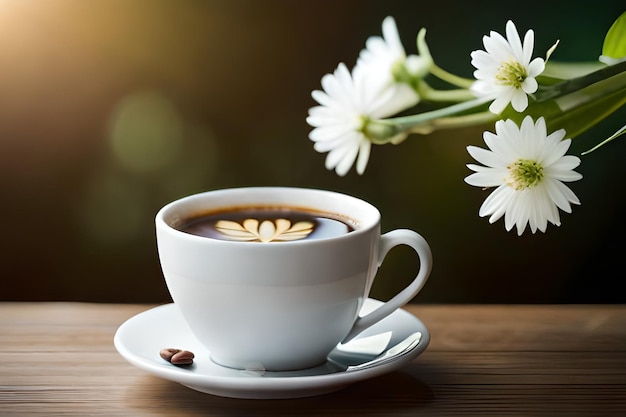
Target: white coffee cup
279	305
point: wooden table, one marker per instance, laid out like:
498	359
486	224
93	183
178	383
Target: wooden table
59	359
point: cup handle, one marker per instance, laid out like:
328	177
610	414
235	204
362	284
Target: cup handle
387	242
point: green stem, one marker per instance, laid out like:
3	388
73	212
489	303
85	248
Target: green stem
426	92
604	142
451	78
408	122
456	122
384	130
424	51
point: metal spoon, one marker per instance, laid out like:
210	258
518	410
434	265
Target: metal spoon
403	347
339	362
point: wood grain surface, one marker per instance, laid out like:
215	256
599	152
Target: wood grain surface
490	360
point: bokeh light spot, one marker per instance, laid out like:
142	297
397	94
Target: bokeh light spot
146	132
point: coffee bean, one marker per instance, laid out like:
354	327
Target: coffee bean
184	357
177	356
168	353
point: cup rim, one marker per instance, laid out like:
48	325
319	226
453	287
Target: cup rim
324	200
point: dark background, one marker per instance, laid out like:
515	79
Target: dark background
111	108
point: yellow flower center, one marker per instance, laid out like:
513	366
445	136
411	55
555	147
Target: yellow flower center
511	73
524	173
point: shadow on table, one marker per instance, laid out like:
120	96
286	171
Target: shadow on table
397	390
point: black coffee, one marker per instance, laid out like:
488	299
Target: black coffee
266	224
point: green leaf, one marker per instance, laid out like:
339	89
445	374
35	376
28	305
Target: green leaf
580	113
559	71
586	115
615	40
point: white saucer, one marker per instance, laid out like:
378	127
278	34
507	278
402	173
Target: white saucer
140	339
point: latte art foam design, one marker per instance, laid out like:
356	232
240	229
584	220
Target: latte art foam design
277	230
266	224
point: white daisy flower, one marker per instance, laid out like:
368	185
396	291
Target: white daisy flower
504	70
347	103
387	59
528	167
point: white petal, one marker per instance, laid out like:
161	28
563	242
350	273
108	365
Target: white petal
485	179
335	156
554	151
479	168
562	190
536	67
567	176
330	133
514	215
519	100
535	219
395	99
501	101
485	157
364	154
483	89
514	40
496	203
497	46
347	161
321	97
530	85
501	144
481	59
390	33
527	49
